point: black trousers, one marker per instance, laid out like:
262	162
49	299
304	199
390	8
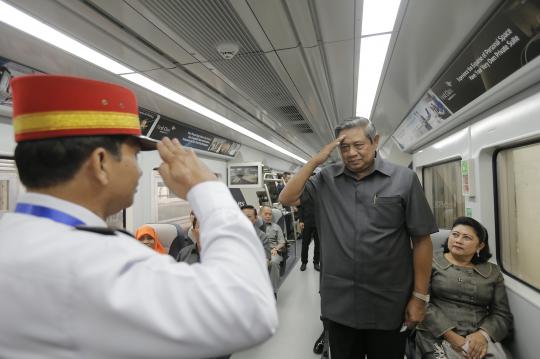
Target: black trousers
307	233
350	343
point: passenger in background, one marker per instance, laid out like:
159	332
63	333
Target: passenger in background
180	241
191	253
307	225
279	185
277	243
251	214
148	236
369	212
468	312
78	142
285	177
187	226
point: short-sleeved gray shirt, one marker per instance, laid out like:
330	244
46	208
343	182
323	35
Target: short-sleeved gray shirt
365	229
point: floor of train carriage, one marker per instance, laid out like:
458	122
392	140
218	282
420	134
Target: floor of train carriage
298	307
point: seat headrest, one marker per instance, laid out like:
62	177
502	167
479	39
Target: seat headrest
276	215
166	233
438	239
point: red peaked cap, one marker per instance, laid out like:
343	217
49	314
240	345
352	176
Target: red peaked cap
53	106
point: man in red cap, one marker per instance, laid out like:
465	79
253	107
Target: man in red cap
71	287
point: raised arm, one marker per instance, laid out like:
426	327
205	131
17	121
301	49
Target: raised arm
290	195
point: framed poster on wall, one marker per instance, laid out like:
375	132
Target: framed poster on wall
245	175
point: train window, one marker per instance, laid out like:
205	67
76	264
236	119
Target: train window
442	186
170	208
10	186
518	183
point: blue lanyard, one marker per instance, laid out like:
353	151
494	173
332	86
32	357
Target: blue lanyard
46	212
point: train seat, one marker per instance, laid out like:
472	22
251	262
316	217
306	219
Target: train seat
438	240
166	233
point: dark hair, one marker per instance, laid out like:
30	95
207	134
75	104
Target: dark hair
49	162
248	206
194	222
481	233
367	125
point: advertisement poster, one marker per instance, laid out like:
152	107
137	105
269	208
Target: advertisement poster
157	127
428	114
509	40
148	120
9	70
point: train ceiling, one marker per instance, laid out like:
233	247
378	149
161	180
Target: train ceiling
294	74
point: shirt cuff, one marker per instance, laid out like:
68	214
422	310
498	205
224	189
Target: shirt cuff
485	334
441	334
210	196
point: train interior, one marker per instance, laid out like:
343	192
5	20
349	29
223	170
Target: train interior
256	87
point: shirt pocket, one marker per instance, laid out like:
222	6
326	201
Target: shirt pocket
386	212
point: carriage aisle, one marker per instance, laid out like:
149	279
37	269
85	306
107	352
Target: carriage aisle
299	324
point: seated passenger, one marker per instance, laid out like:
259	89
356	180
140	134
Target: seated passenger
189	229
468	313
180	241
251	214
147	236
277	243
191	253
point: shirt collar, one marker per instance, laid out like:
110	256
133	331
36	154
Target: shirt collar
380	165
89	218
484	269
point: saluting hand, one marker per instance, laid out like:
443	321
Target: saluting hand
323	155
181	169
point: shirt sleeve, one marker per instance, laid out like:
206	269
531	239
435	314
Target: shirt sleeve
499	321
310	189
166	309
420	220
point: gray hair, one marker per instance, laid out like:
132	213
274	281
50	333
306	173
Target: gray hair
364	123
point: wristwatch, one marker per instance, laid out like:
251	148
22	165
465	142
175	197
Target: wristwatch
423	297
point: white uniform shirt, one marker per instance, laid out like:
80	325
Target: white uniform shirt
67	293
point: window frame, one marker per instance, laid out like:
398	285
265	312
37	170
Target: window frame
456	158
498	239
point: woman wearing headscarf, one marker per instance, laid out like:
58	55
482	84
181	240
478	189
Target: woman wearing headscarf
148	236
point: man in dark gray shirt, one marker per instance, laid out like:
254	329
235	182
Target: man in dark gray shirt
374	224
